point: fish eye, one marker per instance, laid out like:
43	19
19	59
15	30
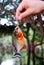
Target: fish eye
17	28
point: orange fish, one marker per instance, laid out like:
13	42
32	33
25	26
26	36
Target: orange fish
18	39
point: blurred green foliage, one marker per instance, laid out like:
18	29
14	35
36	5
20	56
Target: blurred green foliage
6	39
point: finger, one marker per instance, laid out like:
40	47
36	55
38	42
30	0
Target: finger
19	9
25	14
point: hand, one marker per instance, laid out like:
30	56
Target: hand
29	7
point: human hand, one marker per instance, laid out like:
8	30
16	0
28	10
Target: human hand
29	7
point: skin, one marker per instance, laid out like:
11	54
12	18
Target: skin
29	7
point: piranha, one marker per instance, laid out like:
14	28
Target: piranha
18	40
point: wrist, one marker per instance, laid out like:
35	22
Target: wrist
43	6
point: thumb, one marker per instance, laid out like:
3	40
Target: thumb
25	13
